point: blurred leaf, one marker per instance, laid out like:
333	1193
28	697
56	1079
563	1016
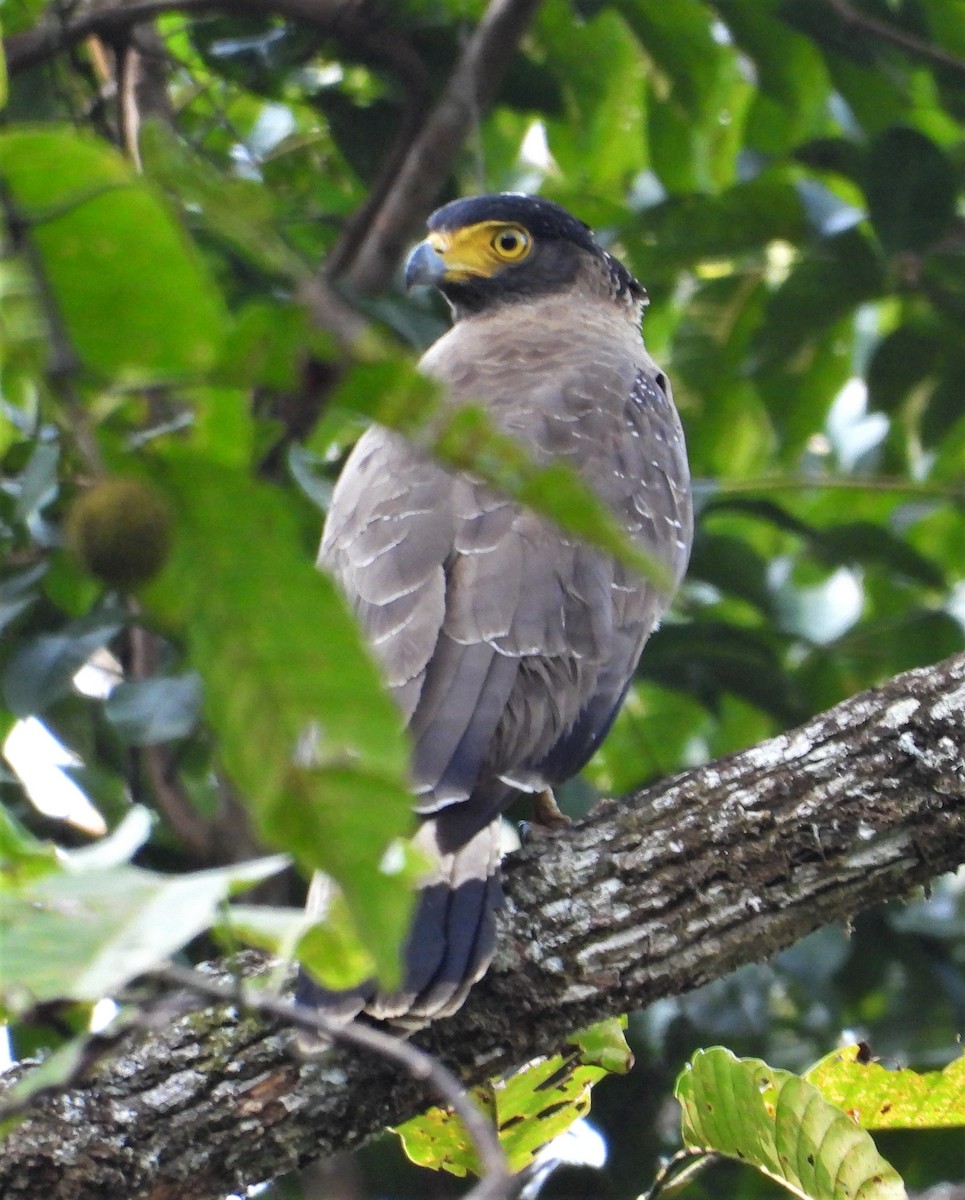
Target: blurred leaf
83	935
686	230
680	42
118	848
331	951
21	14
865	542
529	1108
128	285
711	657
881	1099
605	1045
731	565
790	72
602	77
147	711
912	205
267	346
310	739
22	856
42	669
17	593
823	286
238	212
838	155
779	1124
38	483
899	362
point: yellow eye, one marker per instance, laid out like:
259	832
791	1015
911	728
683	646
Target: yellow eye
511	243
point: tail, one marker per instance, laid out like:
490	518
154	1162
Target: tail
450	942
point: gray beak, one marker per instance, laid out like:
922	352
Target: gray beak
426	266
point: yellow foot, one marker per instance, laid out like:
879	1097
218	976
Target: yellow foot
546	813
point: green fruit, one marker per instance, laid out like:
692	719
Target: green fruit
120	531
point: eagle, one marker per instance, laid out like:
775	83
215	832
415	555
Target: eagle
507	644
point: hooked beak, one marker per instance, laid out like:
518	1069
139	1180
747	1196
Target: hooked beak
425	265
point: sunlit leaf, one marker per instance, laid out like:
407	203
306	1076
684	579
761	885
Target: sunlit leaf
878	1098
780	1124
530	1107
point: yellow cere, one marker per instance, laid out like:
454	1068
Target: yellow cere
480	249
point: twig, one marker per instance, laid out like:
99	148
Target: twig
677	1172
804	483
915	46
470	90
420	1066
170	798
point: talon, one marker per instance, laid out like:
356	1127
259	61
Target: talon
546	813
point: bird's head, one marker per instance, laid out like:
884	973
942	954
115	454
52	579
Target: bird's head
489	250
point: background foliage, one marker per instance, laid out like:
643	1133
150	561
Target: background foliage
786	177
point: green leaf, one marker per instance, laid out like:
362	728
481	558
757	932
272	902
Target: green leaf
83	935
311	741
21	14
22	856
833	279
147	711
911	188
686	230
18	592
38	483
780	1124
330	950
901	361
239	212
791	75
881	1099
42	670
134	299
711	657
866	542
529	1108
681	45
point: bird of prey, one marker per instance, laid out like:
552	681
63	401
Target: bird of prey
507	644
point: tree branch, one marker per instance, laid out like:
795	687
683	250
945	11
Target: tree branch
649	897
916	47
433	153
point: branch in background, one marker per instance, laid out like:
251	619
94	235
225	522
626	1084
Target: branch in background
353	22
916	47
432	155
650	897
428	142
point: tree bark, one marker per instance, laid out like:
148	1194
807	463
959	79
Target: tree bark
649	897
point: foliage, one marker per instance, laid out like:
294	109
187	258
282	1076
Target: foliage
529	1108
879	1098
745	1110
786	176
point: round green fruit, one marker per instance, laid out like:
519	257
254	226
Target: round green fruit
120	531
